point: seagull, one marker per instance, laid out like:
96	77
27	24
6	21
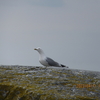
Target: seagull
46	61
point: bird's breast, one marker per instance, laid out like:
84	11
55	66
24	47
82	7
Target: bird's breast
43	61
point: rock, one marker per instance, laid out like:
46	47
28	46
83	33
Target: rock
53	83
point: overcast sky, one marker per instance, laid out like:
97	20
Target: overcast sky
67	30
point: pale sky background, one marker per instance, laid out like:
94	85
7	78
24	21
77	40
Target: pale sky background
67	30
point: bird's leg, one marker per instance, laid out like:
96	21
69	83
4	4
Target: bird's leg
45	68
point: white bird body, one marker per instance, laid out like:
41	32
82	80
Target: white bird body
43	62
42	57
46	61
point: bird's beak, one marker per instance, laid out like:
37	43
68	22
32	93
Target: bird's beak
35	49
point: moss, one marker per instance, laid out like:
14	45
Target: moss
15	93
85	98
4	91
31	96
58	85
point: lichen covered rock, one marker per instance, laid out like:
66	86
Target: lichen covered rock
53	83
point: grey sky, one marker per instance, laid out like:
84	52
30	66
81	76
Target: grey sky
67	30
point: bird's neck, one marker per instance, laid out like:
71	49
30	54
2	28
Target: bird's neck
42	55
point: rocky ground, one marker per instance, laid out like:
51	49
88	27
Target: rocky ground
53	83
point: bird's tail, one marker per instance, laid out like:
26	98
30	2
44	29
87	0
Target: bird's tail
64	66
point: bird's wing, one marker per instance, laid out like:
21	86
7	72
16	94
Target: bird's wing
51	62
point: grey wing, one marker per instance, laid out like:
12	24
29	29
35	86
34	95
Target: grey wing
51	62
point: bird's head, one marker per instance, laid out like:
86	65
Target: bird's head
37	49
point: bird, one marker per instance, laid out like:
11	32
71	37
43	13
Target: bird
46	61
